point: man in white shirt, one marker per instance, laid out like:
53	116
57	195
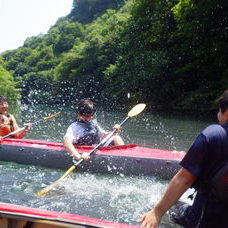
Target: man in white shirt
86	131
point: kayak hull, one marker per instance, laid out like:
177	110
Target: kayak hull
126	160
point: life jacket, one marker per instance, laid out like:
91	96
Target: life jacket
91	133
7	125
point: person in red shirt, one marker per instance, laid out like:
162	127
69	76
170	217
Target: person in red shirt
8	123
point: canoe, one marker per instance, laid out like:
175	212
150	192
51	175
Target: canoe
126	160
25	217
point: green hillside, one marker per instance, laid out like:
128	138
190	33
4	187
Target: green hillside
168	54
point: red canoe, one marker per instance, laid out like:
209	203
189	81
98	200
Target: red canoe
128	159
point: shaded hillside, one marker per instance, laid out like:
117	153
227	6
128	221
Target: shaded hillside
85	11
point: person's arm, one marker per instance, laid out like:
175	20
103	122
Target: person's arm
27	128
21	134
117	127
103	133
68	144
177	186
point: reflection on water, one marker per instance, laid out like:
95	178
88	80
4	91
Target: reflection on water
115	198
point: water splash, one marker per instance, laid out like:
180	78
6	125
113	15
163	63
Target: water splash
115	198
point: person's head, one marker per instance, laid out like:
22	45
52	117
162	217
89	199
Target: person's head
3	105
86	108
223	108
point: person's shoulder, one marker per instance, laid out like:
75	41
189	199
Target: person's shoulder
214	130
213	127
75	124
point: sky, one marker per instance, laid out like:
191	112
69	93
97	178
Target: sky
20	19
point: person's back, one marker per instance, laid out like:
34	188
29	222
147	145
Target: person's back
203	162
211	148
207	155
205	158
216	208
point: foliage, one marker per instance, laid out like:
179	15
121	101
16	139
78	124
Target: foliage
169	54
8	86
141	64
83	66
85	11
200	67
173	54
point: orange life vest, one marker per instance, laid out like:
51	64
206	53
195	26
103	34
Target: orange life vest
7	125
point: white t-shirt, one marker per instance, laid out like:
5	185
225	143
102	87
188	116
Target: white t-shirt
75	131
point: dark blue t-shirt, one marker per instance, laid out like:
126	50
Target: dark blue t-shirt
205	157
208	152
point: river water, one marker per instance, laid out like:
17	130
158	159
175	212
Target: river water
116	198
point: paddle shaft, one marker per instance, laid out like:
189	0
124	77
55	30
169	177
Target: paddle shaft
19	130
23	128
14	132
76	164
134	111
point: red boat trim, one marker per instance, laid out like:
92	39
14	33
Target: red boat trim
126	150
29	142
57	216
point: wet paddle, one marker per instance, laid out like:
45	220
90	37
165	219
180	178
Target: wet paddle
133	112
23	128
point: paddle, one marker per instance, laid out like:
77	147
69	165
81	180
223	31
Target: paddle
133	112
21	129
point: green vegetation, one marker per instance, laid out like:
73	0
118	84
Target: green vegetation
7	85
169	54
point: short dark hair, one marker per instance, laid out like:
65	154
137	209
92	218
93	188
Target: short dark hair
86	107
223	101
3	99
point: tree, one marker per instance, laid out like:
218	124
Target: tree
85	11
141	65
8	86
199	52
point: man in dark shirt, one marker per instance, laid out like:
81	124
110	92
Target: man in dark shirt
207	155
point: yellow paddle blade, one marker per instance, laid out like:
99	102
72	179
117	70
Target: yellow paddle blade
56	183
49	117
136	110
